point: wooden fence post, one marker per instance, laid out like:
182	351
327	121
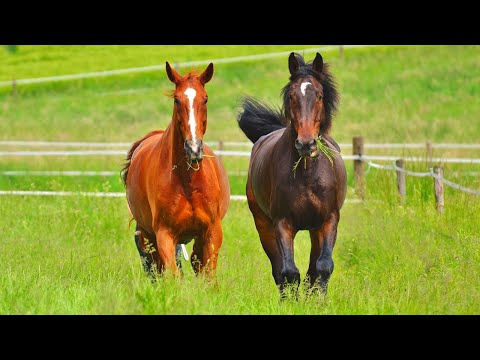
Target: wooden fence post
14	88
358	167
220	147
429	151
401	181
438	187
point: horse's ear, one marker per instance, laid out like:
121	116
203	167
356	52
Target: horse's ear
172	74
207	75
318	63
292	64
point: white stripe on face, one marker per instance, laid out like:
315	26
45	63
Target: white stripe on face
303	86
191	93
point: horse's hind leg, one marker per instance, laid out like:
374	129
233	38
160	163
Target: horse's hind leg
321	262
178	256
143	248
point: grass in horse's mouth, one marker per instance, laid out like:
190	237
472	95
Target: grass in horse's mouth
189	164
329	153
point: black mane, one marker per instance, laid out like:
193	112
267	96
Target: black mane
258	119
330	93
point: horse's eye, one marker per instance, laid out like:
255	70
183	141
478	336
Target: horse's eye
176	101
320	97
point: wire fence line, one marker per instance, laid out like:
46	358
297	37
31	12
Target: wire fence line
457	186
105	194
233	153
98	152
82	173
84	193
430	173
176	65
231	143
103	144
117	172
396	168
58	173
65	144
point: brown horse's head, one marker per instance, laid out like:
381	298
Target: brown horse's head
190	108
310	98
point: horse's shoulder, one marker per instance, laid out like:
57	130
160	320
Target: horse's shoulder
332	142
269	138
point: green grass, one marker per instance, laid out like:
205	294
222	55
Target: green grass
77	256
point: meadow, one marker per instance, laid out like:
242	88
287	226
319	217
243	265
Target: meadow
76	255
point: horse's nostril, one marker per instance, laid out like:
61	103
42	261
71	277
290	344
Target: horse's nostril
298	144
312	144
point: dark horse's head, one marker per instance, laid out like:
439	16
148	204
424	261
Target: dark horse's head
190	108
309	100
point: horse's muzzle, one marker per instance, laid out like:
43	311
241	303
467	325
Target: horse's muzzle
308	148
194	150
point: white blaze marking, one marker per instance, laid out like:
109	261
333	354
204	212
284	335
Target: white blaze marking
191	93
303	86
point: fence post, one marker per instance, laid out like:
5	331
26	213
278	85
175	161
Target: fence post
358	167
220	147
14	88
341	49
438	187
429	151
401	181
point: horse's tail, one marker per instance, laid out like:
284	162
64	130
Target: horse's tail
258	119
136	144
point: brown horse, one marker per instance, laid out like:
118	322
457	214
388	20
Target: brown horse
172	194
284	200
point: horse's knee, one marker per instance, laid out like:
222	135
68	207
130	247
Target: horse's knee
290	275
324	266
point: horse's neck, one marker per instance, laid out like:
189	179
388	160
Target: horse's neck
175	152
287	141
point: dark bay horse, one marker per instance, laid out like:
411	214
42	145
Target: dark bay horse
172	194
283	200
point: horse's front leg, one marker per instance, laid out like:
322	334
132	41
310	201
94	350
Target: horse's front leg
205	249
165	256
288	276
321	262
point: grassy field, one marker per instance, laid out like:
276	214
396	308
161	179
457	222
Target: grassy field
77	256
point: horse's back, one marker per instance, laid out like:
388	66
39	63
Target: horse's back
262	149
259	183
140	159
220	177
136	178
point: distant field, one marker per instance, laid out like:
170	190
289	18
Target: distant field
77	256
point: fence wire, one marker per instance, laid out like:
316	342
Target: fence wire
394	167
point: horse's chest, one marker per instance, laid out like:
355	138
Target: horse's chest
192	210
306	206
